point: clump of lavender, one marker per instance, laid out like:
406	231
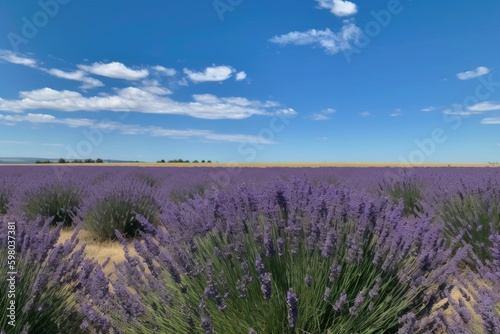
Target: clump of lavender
475	216
45	278
116	205
407	189
5	195
57	200
370	264
186	192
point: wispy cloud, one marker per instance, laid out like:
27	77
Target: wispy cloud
467	75
364	114
485	106
458	112
214	73
169	72
16	58
126	129
338	7
429	109
323	115
78	75
490	120
477	109
135	99
115	70
331	42
397	112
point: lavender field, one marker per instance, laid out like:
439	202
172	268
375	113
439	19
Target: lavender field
250	250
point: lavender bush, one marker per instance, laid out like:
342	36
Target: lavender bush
45	280
476	217
409	191
293	260
115	204
5	194
58	201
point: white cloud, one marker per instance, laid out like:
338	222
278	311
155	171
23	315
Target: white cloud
428	109
477	109
241	76
330	41
154	87
338	7
215	73
364	114
480	71
142	100
136	129
169	72
397	112
16	58
287	112
490	120
485	106
115	70
323	115
319	117
328	111
459	112
78	75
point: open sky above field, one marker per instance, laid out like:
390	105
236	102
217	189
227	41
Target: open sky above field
251	81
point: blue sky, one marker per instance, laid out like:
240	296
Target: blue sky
251	81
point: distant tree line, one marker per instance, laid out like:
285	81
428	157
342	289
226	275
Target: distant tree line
177	161
76	161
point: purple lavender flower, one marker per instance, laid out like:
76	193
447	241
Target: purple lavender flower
265	286
259	265
269	243
281	246
206	324
327	294
308	280
357	302
335	270
339	304
292	306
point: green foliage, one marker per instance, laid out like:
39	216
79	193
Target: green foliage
89	161
56	200
161	161
5	194
119	212
478	216
53	309
99	161
42	162
177	161
377	314
77	161
407	190
61	161
180	196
